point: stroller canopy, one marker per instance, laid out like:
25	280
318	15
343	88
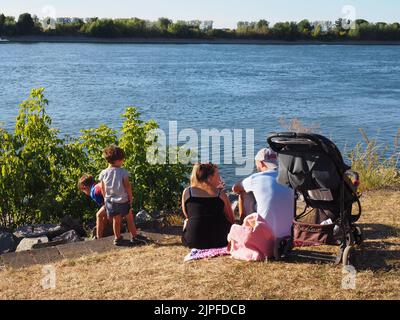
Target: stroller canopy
308	161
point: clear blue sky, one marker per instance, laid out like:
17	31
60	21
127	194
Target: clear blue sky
225	13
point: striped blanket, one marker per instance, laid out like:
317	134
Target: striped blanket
197	254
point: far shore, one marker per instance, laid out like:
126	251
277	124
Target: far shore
83	39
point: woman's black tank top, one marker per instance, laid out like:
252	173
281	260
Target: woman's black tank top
207	226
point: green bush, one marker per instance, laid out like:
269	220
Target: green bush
378	165
39	169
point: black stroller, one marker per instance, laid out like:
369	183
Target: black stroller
313	166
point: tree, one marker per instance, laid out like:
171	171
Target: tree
316	33
25	24
2	22
361	21
262	27
304	27
179	29
207	25
102	28
285	31
163	24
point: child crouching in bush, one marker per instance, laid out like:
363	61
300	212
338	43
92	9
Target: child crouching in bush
117	192
89	187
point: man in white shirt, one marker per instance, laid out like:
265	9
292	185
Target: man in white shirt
275	202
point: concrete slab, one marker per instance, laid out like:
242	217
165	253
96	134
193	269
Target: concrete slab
74	250
18	260
46	255
101	245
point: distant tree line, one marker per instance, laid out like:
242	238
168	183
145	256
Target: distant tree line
134	27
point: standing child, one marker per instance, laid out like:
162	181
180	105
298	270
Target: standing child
117	192
88	186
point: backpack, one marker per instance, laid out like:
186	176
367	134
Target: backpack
252	241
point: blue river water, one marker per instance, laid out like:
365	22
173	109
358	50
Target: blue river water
338	88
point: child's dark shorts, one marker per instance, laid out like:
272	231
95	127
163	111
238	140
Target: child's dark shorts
115	209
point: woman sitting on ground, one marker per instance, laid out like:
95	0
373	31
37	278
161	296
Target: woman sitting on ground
207	209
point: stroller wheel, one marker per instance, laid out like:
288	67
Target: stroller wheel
277	250
282	247
358	235
347	255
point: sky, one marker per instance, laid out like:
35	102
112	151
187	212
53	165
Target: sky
224	13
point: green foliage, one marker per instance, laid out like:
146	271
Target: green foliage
25	24
2	22
162	24
39	170
36	167
377	165
8	27
164	27
182	29
258	29
156	186
305	28
102	28
285	31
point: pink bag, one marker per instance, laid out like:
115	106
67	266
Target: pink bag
253	241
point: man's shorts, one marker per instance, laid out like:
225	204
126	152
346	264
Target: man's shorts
115	209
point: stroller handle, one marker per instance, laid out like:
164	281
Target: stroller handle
293	138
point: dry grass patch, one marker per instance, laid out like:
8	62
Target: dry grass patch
158	271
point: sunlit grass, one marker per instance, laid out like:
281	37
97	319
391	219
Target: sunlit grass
377	165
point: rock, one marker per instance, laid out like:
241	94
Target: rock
69	236
155	214
7	242
34	231
28	243
144	220
55	232
143	217
70	223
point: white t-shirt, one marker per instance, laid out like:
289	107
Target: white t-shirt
275	202
113	179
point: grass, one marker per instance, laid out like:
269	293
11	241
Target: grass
378	165
158	271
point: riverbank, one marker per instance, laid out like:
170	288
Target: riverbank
83	39
158	271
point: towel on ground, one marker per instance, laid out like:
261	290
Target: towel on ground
197	254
